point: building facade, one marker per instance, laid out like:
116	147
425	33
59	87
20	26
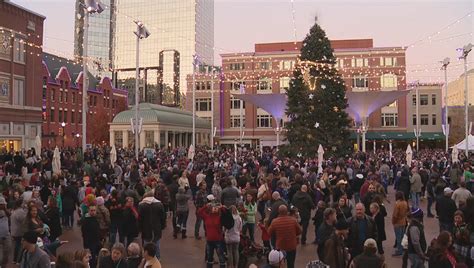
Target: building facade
269	69
100	38
186	27
456	89
21	39
62	103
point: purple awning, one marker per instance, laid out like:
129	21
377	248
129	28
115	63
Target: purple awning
362	104
274	104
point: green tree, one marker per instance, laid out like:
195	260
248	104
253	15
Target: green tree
316	101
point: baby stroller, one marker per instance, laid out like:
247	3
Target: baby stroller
249	249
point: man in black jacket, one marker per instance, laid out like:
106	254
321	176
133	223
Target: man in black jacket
303	201
362	227
90	234
152	220
445	208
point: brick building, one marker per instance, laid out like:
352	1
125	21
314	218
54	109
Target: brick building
269	69
62	103
21	39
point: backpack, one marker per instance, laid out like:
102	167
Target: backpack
227	220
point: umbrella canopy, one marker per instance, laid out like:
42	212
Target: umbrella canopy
56	161
38	145
113	155
191	152
320	159
362	104
455	154
462	144
274	104
409	154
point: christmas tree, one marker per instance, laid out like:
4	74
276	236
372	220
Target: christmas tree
316	102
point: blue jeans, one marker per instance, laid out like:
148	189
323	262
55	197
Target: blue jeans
399	232
182	220
114	228
415	260
197	226
212	246
251	228
17	249
357	197
415	199
157	243
290	258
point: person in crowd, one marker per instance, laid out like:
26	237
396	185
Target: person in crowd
249	218
5	236
442	254
445	208
65	260
368	258
461	194
416	239
378	211
53	219
362	227
116	222
369	197
404	184
32	256
103	217
276	259
90	229
318	218
149	256
69	200
430	191
325	230
182	212
229	195
264	195
116	259
232	239
302	200
134	255
343	208
415	187
211	215
286	230
151	220
130	220
199	202
335	250
461	239
399	221
17	220
277	202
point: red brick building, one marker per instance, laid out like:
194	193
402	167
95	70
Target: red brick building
269	69
62	103
21	39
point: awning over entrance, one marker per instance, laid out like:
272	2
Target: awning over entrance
400	136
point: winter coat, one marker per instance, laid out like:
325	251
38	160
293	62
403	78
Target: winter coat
335	254
366	260
130	222
182	199
152	219
212	222
400	213
404	184
108	262
355	242
229	196
233	234
416	184
103	217
445	208
91	233
380	222
304	203
54	222
17	220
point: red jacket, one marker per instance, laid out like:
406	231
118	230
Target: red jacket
212	223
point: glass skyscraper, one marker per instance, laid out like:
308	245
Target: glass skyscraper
100	43
179	29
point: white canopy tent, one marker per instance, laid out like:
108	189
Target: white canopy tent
462	145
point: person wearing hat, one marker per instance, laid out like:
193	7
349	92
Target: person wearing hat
211	215
335	251
33	256
445	208
357	185
368	258
416	239
276	259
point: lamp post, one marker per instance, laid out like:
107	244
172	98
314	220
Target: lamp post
141	33
212	109
195	62
417	129
445	63
63	125
90	7
464	53
77	139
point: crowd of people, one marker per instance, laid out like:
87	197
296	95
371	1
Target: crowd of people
123	209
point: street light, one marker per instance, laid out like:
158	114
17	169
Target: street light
90	7
141	33
63	125
77	138
445	63
464	53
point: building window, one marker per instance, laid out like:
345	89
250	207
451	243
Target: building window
208	83
340	64
79	117
264	121
5	45
65	116
237	66
423	99
389	120
18	92
51	115
433	119
73	97
235	103
60	96
265	65
414	120
113	104
424	120
235	121
149	139
73	117
118	137
19	50
388	61
60	116
235	85
45	90
413	99
65	96
388	81
287	65
433	99
53	94
359	62
95	101
203	105
360	81
264	84
284	84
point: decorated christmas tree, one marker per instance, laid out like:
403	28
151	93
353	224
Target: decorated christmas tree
316	102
